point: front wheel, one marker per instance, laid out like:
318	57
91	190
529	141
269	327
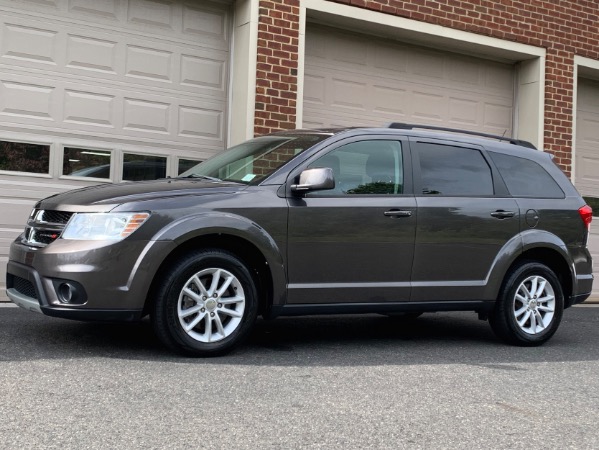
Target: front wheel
206	304
530	306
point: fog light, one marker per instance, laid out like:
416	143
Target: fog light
69	292
65	292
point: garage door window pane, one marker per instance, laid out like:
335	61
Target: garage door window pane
80	162
143	167
449	170
23	157
186	164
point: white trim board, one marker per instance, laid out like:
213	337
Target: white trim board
242	92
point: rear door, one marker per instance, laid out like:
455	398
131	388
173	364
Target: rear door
355	243
465	217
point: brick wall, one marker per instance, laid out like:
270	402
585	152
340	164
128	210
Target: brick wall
276	84
564	28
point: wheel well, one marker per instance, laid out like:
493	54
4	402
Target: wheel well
555	262
244	250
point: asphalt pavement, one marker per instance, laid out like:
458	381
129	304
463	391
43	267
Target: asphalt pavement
351	382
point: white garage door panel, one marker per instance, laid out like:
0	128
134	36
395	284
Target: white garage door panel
587	138
202	21
145	76
78	106
352	79
169	85
586	165
92	52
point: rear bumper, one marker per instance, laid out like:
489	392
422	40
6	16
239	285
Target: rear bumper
583	289
576	299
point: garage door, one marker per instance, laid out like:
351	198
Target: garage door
586	164
587	138
353	79
103	90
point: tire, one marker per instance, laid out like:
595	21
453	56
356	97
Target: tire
206	304
530	305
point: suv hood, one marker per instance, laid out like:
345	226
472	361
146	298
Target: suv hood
107	196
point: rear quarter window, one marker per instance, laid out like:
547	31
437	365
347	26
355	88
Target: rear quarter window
453	171
526	178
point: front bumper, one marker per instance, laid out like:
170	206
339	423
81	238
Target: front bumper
114	277
95	315
22	300
36	300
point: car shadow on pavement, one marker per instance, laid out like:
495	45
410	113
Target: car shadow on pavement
440	338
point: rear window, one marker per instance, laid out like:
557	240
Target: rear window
526	178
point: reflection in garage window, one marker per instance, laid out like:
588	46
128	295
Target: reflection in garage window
80	162
143	167
24	157
186	164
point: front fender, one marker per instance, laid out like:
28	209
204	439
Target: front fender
226	223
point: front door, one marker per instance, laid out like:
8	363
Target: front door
355	243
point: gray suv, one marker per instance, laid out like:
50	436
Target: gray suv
398	221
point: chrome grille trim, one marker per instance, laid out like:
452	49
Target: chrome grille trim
44	227
53	217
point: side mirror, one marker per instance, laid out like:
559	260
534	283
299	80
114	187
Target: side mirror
318	179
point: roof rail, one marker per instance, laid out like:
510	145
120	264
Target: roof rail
411	126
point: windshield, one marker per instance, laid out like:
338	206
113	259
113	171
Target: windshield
254	160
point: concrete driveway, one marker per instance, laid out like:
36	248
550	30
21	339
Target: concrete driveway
356	382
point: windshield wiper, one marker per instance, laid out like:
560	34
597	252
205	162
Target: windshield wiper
203	177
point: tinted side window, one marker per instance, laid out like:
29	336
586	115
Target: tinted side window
526	178
365	167
450	170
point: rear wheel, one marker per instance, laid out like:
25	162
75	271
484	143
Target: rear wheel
206	304
530	306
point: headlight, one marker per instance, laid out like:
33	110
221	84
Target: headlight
103	226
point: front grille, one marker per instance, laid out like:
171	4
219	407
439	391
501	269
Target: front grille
45	226
24	287
57	217
37	236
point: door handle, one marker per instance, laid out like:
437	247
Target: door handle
397	213
501	214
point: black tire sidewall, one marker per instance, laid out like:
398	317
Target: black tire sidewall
504	321
168	297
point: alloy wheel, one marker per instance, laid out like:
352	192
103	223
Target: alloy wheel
211	305
534	304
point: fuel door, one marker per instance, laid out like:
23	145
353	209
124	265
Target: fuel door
532	218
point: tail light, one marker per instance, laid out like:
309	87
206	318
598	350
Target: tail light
586	214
